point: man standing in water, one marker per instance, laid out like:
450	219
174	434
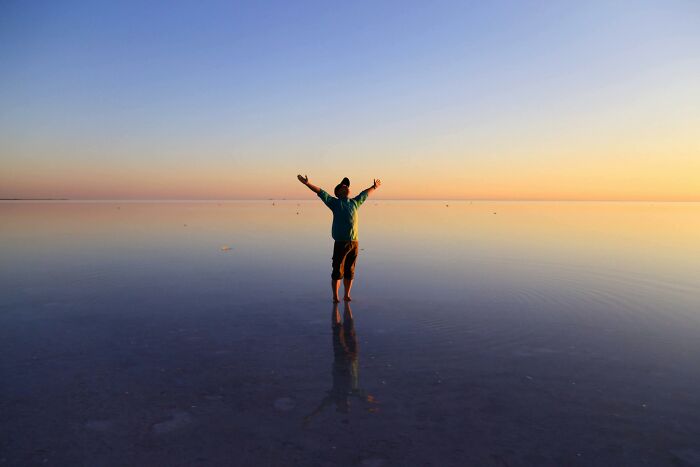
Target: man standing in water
344	230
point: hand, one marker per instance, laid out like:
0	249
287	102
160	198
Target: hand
304	179
377	183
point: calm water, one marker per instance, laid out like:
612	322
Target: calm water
483	334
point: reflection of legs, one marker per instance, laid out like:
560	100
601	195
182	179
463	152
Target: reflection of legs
351	348
347	313
349	331
335	315
336	327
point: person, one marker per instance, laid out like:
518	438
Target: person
344	230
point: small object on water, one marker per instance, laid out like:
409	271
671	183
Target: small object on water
184	225
447	205
494	213
297	213
225	248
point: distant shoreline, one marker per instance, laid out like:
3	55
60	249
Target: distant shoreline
481	200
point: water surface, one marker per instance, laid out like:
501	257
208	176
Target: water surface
482	333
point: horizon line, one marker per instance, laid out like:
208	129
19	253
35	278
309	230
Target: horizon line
623	200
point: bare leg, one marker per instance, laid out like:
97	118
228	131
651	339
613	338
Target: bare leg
348	285
335	284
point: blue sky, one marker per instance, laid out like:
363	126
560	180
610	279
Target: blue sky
144	92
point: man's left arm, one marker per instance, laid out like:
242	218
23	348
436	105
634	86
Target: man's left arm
365	193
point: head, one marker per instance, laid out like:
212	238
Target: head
342	189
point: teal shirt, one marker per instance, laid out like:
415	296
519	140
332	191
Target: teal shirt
344	214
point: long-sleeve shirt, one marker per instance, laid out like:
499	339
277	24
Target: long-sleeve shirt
344	214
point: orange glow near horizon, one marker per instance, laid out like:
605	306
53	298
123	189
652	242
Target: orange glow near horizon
641	159
651	179
600	105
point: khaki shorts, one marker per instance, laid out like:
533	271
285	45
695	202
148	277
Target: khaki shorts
344	257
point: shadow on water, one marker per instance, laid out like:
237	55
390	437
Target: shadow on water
345	368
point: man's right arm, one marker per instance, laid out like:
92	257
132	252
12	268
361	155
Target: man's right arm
325	197
305	181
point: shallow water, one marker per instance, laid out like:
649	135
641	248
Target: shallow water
484	333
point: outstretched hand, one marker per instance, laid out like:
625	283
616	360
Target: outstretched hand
304	179
377	183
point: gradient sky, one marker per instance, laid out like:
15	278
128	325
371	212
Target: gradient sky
445	99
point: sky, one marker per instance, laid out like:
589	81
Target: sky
594	100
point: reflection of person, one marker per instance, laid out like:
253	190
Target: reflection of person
344	230
345	368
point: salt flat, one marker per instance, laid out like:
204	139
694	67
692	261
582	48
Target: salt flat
482	333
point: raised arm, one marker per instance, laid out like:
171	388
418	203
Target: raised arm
305	181
327	199
377	184
365	193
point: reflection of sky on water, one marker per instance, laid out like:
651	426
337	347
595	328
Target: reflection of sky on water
633	264
410	249
469	316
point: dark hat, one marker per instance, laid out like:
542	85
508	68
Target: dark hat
345	182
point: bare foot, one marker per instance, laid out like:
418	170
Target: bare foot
347	298
335	300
